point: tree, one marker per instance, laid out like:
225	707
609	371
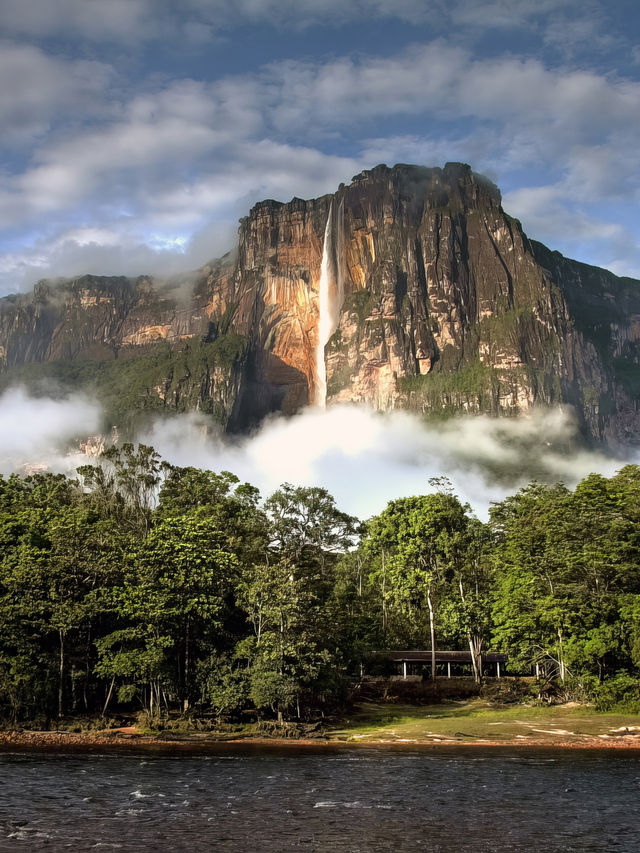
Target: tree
530	612
126	483
426	538
228	504
171	601
307	525
470	601
292	654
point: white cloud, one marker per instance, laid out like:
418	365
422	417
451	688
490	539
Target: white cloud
447	82
36	431
254	171
113	251
363	458
120	20
41	89
604	171
366	458
187	121
180	156
551	215
129	21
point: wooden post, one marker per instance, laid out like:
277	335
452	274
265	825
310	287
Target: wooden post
448	669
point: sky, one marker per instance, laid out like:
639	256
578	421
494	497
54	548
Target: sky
135	133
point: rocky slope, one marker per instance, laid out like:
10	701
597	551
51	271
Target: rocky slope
434	300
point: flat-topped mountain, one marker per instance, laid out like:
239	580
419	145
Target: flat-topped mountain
408	288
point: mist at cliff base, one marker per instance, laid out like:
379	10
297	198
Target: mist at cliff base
366	458
363	458
37	432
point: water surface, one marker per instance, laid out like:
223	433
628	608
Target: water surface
365	800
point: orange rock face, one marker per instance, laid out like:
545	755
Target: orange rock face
276	299
445	305
441	305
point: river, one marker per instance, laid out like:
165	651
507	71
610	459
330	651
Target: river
351	800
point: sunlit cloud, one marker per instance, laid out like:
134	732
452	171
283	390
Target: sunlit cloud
38	432
366	458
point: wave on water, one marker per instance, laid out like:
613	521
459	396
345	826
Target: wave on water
356	804
28	833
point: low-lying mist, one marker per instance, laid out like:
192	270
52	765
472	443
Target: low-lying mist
38	431
363	458
366	458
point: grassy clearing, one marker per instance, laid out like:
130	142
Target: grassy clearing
477	720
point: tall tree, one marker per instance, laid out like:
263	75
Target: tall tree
426	535
307	525
126	482
172	601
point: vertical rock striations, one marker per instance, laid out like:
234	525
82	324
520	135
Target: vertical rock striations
431	297
445	306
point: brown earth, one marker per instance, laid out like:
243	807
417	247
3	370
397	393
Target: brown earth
130	741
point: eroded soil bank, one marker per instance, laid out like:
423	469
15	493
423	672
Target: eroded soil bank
468	724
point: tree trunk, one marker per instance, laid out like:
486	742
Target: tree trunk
474	645
87	672
106	703
474	662
74	690
561	656
432	631
281	670
186	667
384	595
61	673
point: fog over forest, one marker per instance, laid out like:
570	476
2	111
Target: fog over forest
362	457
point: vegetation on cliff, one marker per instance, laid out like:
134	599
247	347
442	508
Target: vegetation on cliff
159	378
443	306
145	586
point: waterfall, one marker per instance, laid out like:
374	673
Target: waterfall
324	321
330	298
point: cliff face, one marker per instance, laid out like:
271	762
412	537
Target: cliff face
139	345
445	306
408	288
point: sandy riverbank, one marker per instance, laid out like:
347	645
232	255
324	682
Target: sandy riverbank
102	742
471	723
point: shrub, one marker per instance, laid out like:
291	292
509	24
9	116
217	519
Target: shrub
620	693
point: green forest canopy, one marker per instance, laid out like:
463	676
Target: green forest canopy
140	585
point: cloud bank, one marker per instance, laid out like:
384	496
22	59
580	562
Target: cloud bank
363	458
366	458
118	166
37	431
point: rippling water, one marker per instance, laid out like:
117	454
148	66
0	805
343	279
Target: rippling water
371	800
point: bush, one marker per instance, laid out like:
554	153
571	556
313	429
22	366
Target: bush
620	693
